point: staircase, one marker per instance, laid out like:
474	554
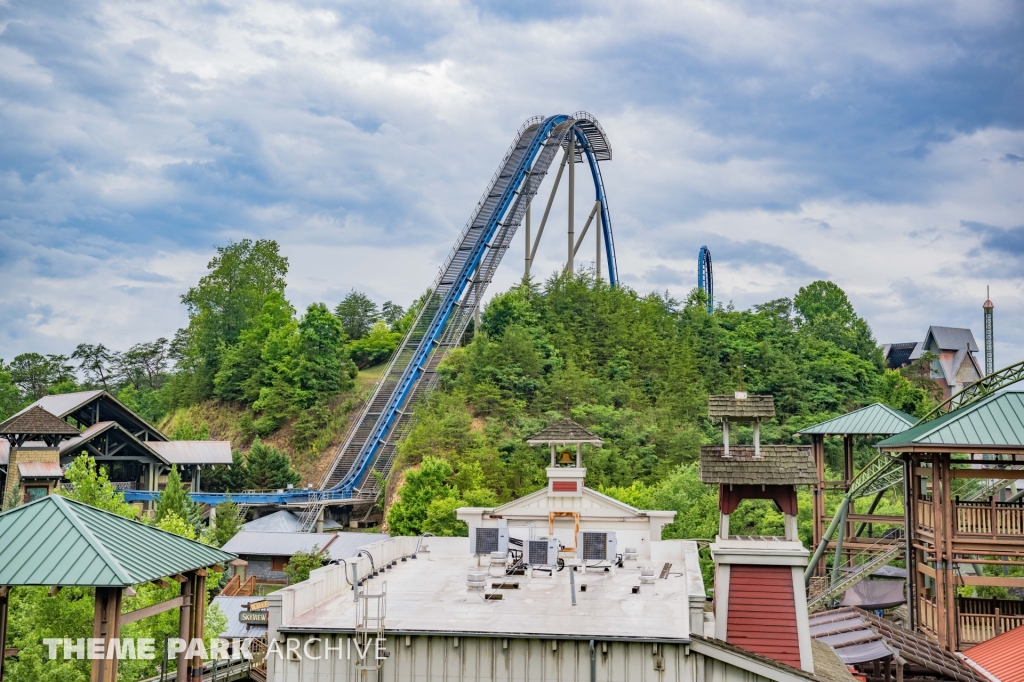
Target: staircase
873	561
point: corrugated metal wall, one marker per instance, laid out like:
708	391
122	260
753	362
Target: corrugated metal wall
462	659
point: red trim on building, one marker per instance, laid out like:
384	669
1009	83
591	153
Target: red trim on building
730	496
564	486
762	612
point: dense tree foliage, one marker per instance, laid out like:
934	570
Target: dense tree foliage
637	371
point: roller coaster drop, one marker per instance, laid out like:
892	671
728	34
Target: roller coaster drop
366	455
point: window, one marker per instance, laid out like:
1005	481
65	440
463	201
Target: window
277	563
34	492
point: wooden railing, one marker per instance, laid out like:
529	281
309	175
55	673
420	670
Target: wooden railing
989	518
928	616
924	514
239	588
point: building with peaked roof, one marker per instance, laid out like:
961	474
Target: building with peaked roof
955	365
267	553
136	455
946	531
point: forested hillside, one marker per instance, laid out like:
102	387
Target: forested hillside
636	369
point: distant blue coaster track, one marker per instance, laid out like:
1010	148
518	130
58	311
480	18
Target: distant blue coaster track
364	459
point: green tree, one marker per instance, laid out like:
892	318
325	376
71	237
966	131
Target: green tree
268	468
422	487
298	567
10	396
391	313
357	314
243	368
90	485
225	303
96	362
320	366
376	347
174	499
35	374
226	524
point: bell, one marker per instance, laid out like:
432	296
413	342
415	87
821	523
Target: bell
565	458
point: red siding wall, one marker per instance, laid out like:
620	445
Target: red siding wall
762	612
564	486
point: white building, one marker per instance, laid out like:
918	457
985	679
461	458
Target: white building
634	609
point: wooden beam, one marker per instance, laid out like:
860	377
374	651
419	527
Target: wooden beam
148	611
179	578
994	474
201	573
53	591
991	581
161	583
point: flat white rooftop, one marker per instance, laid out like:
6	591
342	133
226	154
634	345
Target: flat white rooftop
429	595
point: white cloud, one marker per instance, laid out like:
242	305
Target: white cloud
138	135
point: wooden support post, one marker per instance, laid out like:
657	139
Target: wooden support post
106	627
199	615
184	627
4	597
937	528
947	565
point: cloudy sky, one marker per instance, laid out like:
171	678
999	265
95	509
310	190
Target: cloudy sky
877	144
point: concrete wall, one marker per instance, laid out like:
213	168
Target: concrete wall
426	658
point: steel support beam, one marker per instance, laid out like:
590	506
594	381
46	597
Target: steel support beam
571	153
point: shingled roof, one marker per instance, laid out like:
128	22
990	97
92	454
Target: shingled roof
778	465
564	431
37	422
751	407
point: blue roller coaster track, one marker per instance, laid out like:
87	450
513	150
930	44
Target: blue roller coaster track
705	280
364	458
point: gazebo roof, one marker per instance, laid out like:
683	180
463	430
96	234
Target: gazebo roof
564	432
58	541
873	420
993	424
37	422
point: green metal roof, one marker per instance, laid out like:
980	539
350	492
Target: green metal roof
997	420
58	541
873	420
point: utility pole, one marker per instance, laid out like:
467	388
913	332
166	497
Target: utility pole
572	201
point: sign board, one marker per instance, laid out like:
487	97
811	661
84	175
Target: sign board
253	617
260	605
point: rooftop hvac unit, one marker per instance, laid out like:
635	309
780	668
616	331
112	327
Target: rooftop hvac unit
543	552
485	540
595	546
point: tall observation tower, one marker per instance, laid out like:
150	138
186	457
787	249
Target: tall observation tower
990	363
